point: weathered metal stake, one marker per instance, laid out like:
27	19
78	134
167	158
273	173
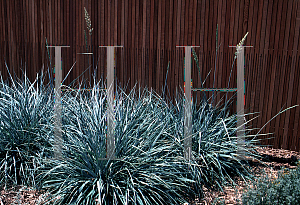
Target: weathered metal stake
110	149
187	104
240	103
57	106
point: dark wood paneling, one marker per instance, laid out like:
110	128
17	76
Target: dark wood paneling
149	30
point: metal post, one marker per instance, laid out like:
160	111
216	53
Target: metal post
110	101
57	108
188	105
240	103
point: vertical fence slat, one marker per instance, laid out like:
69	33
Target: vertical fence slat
274	64
292	77
297	113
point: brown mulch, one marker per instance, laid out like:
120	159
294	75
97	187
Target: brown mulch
28	196
21	195
233	195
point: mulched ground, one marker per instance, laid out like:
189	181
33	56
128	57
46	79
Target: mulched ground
280	157
21	195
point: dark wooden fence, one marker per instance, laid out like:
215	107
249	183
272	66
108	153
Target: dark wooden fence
149	30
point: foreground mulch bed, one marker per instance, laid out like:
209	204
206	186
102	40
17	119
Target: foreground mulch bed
231	195
21	195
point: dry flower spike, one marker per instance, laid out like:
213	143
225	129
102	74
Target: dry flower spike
88	21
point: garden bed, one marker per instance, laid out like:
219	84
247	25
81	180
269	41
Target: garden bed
231	195
69	158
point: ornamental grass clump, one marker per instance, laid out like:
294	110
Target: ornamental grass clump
24	111
148	167
214	143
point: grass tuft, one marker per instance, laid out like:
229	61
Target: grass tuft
24	111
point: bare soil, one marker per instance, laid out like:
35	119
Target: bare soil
280	158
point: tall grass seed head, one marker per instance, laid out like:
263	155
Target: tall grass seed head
241	43
88	21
